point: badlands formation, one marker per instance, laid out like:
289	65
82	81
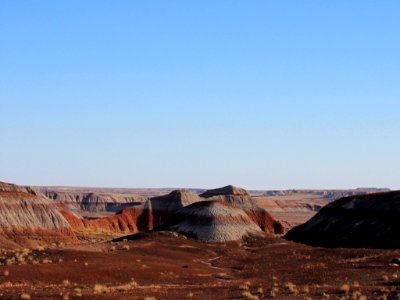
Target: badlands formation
216	244
30	219
230	204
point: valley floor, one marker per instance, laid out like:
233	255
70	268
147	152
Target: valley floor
164	266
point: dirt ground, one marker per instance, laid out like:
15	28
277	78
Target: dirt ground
164	266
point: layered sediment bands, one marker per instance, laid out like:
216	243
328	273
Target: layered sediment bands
228	190
28	218
234	205
94	202
130	220
213	221
239	198
161	209
371	221
143	217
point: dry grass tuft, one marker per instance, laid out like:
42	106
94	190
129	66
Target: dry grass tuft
100	289
78	292
25	296
66	282
249	295
292	288
274	291
345	288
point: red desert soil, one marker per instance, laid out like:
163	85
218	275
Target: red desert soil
166	266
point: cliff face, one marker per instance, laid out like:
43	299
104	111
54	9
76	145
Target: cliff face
371	221
28	218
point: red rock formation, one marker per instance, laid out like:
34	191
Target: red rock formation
158	211
144	217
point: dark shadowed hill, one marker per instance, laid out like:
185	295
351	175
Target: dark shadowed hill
371	221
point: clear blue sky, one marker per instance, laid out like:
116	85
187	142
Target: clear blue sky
260	94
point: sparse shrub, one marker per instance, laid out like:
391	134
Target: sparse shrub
248	295
260	290
25	296
47	261
291	288
355	295
190	295
112	248
65	296
6	273
345	288
385	278
100	289
126	247
86	264
306	289
274	291
78	292
243	287
66	282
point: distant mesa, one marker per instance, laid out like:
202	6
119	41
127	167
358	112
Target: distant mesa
365	221
225	191
213	221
